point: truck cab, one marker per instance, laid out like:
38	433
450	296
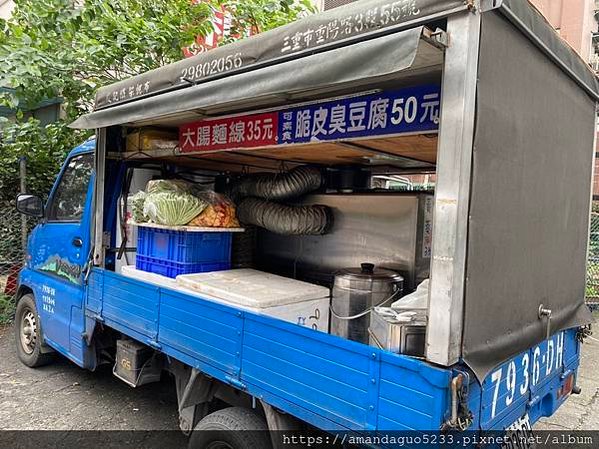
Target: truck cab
56	261
466	92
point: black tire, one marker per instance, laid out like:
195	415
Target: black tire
231	428
28	334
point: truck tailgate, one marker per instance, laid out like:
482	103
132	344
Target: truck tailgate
532	384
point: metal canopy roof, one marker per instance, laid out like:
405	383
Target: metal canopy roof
325	52
342	70
330	47
354	22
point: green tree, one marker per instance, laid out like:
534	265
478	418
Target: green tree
68	49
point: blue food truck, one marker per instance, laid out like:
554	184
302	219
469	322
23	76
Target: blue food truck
317	130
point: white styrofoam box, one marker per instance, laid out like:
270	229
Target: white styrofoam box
252	288
312	313
288	299
307	310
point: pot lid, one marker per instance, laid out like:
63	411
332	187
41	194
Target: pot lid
370	272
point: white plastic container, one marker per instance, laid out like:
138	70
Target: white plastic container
263	293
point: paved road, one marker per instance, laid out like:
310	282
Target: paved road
63	396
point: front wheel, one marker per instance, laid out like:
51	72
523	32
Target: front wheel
28	334
231	428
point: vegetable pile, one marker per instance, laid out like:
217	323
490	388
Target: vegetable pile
175	202
172	209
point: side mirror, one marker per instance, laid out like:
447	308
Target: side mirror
30	205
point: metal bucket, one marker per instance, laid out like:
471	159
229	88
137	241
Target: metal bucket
356	291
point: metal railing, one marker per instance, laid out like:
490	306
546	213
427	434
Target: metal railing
11	258
592	287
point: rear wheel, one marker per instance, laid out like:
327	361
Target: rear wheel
28	334
231	428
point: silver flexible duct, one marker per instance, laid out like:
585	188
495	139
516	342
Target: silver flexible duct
279	186
284	219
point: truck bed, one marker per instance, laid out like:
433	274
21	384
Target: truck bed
327	381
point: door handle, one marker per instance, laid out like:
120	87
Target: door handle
546	313
78	242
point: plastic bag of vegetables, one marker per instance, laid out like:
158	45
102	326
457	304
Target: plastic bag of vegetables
172	209
220	212
169	185
137	202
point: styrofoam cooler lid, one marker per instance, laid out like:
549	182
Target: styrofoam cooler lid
252	288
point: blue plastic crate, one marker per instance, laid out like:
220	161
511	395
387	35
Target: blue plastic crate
173	269
169	252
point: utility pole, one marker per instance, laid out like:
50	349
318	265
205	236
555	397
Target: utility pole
22	176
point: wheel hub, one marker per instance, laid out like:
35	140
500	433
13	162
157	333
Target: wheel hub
28	332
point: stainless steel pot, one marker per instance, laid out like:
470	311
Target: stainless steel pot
356	291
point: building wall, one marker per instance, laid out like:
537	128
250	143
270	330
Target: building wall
6	7
574	20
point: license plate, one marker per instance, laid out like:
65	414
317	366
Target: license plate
518	435
515	379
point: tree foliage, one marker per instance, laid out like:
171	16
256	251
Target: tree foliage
44	150
264	15
69	48
55	48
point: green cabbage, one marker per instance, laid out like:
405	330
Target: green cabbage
172	209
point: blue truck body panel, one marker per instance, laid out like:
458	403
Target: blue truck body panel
328	381
323	379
